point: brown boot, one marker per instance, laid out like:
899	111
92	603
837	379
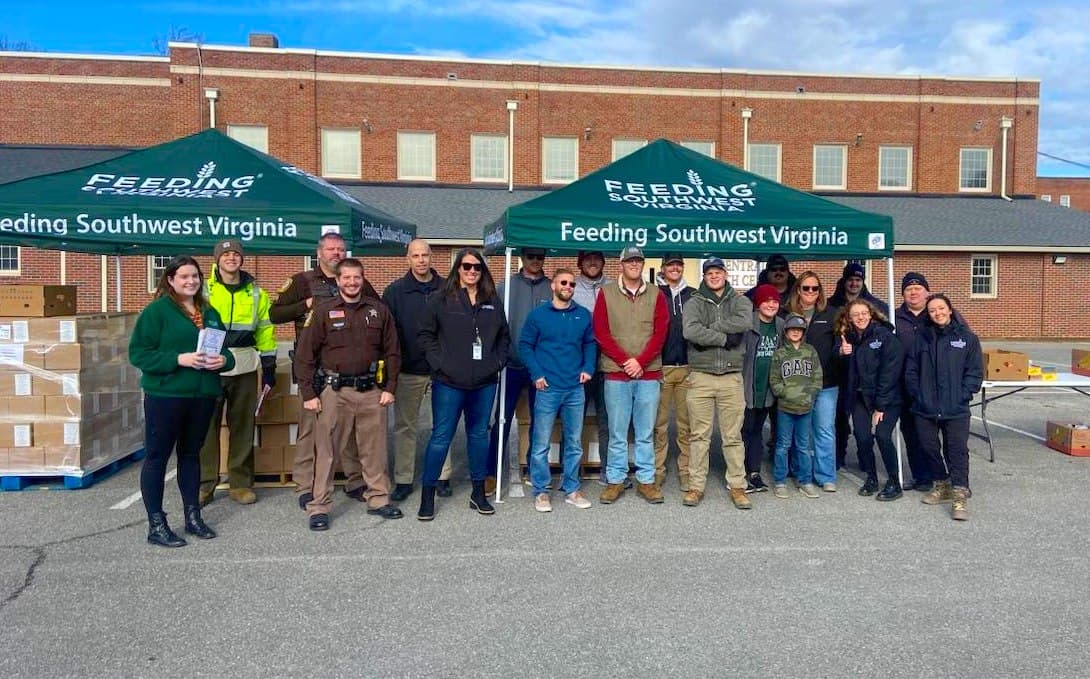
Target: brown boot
959	509
940	494
649	492
692	498
206	494
243	496
740	499
611	493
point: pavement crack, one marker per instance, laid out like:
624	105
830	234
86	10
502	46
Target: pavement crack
28	579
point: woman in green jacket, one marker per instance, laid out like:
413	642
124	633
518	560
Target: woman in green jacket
181	384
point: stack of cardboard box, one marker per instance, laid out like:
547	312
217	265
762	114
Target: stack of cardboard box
277	426
69	400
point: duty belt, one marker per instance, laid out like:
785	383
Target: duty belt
357	382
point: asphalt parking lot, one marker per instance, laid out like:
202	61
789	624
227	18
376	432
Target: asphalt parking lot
834	586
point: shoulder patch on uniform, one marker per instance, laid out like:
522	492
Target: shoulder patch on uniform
286	285
310	315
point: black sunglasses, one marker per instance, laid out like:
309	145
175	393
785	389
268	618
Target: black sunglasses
466	266
566	284
810	288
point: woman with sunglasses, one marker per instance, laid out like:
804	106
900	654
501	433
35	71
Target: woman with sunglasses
875	360
465	338
943	370
807	299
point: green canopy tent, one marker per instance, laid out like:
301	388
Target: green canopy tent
182	197
667	198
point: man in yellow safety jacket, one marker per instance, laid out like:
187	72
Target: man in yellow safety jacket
244	308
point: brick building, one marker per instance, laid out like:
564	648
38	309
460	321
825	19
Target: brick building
1072	192
440	142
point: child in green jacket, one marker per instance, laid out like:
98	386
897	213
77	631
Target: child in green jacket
795	380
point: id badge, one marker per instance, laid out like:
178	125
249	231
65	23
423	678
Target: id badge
478	351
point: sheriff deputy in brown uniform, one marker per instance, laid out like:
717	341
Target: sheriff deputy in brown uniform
296	297
354	340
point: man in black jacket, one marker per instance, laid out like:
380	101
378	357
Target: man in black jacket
675	373
909	319
407	297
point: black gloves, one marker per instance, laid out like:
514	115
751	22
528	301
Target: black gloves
733	340
268	371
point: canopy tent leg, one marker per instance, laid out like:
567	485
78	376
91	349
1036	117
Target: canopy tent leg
501	420
897	433
117	268
104	282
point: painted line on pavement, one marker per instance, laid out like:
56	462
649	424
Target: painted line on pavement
1023	432
135	497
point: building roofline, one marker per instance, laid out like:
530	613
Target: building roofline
85	56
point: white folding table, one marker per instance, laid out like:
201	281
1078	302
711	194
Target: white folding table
1064	380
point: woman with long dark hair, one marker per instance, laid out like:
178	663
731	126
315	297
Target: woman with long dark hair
181	384
943	370
465	339
807	299
875	361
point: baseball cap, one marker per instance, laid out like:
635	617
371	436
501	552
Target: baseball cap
229	245
631	252
776	261
713	263
527	252
795	321
673	257
855	270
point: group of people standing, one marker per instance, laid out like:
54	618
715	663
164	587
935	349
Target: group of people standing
641	354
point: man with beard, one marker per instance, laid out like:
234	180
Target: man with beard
588	285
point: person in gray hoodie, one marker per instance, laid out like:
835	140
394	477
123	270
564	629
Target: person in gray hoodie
760	341
529	287
714	322
588	284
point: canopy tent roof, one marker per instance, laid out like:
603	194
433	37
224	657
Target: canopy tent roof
667	198
182	197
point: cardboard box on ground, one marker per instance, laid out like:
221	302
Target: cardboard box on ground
69	400
593	453
1070	438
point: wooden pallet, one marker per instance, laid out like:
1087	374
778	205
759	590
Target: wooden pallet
74	480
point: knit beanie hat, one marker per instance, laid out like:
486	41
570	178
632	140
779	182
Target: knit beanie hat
763	293
914	278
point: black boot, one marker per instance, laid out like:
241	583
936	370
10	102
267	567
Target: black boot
159	532
870	486
479	501
427	503
195	525
891	491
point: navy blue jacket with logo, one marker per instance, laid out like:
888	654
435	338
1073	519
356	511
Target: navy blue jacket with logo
943	369
875	366
449	327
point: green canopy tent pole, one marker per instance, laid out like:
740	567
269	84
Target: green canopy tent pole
502	395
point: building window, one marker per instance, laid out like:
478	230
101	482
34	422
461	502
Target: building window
254	136
341	153
1047	197
764	159
623	147
310	262
1065	200
488	158
416	156
982	281
705	147
830	167
975	173
559	160
894	168
157	264
9	260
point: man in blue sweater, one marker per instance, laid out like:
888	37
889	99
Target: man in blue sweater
558	347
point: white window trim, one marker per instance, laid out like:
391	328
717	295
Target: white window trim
411	177
908	168
241	126
683	142
309	262
359	153
843	168
544	177
995	276
18	270
779	158
1047	197
624	140
961	160
153	280
506	159
1065	200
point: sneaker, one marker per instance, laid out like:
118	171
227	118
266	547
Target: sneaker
829	487
578	499
809	490
649	492
780	491
542	503
959	504
940	494
738	497
754	484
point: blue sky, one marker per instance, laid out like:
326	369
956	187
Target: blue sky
1002	38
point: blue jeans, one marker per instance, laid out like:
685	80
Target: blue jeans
794	430
635	402
447	406
568	403
824	439
518	380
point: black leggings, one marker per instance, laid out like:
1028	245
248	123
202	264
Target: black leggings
170	422
864	439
